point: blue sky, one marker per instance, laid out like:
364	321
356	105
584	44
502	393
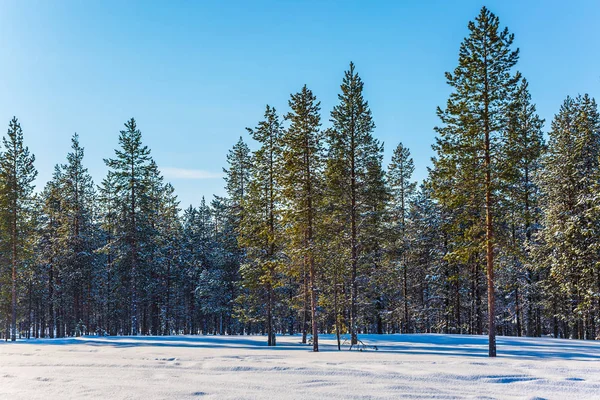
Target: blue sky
194	74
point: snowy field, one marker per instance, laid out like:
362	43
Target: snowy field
242	367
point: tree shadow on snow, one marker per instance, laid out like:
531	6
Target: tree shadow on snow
477	346
401	344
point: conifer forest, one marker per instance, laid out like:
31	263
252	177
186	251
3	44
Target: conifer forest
316	235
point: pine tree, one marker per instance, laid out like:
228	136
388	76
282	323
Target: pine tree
301	183
354	179
159	244
261	229
77	236
48	225
131	167
472	131
196	246
229	256
237	176
109	219
170	235
232	214
17	174
67	240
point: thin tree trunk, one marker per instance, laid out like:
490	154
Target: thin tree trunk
489	224
52	322
311	259
305	307
518	311
133	230
353	243
269	316
489	230
336	312
13	336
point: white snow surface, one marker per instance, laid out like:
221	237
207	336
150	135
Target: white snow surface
243	367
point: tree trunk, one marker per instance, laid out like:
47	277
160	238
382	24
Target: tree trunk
406	327
518	311
13	335
489	224
133	242
270	316
305	307
336	312
353	244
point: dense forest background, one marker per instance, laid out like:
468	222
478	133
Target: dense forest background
315	234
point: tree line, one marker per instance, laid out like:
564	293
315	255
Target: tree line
315	234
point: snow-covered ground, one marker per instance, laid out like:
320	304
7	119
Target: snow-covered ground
242	367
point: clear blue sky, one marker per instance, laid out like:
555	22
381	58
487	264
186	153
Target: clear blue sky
196	73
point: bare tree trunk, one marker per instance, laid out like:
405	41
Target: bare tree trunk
52	322
311	258
313	305
270	316
167	330
489	235
305	307
489	224
29	308
518	311
336	311
13	335
353	245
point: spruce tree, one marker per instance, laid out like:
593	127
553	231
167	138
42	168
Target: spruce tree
402	190
473	129
570	226
521	155
424	252
237	176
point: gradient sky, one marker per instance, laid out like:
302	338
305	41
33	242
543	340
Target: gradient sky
194	74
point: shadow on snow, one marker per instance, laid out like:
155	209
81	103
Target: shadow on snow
419	344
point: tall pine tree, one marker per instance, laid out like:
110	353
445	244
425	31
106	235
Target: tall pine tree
261	229
472	130
17	174
301	182
355	181
131	168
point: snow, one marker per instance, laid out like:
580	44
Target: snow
243	367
